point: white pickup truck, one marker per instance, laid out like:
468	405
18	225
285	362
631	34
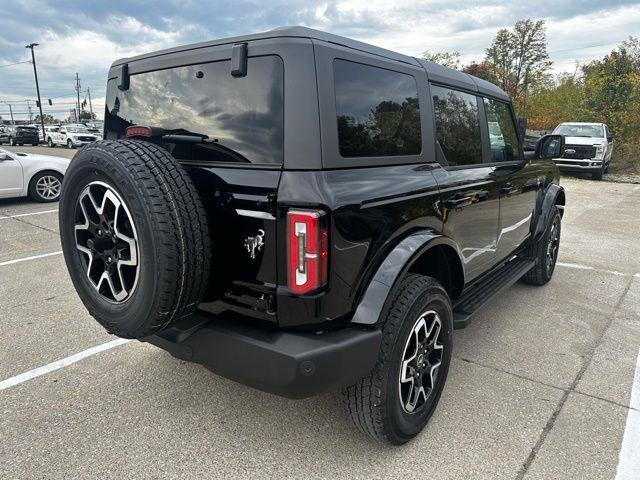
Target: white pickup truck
588	148
70	135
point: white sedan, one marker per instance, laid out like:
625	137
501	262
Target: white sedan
36	176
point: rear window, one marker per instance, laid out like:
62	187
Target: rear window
458	139
378	111
241	119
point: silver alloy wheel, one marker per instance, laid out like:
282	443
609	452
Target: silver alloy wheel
421	360
106	235
48	187
552	246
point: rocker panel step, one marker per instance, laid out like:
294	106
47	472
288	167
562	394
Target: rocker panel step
472	300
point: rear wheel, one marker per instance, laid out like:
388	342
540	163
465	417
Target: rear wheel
50	143
397	399
545	252
134	235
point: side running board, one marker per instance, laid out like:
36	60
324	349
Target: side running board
478	295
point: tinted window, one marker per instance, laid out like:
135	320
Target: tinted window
241	119
457	126
378	112
505	145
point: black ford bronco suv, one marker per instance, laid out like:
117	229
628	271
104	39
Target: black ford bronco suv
298	211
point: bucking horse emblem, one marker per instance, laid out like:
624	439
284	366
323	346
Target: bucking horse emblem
254	244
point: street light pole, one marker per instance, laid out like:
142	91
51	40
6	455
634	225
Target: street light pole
35	74
78	90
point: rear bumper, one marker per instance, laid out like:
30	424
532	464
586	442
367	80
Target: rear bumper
286	363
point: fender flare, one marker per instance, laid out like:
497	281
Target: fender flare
554	196
374	303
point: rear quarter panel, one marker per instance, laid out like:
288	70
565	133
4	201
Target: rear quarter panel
370	210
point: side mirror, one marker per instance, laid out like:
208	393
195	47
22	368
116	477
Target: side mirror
4	156
610	138
522	127
550	146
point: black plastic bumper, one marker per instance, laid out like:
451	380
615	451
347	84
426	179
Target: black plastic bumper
286	363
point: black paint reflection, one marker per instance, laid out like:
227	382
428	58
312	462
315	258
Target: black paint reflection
241	119
457	126
378	111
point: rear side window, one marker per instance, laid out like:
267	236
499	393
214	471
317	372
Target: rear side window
241	119
378	111
457	126
503	138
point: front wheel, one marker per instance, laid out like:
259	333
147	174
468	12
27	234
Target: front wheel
69	144
45	187
545	252
397	399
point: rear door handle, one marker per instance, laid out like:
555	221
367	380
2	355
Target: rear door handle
457	202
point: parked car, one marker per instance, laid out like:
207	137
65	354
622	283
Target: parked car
71	136
19	135
588	148
38	127
308	212
95	128
37	176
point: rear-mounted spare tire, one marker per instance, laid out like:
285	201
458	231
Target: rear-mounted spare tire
134	235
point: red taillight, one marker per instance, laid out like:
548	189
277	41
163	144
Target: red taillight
137	131
306	250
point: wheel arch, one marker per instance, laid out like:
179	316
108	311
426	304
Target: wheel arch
424	252
34	174
554	196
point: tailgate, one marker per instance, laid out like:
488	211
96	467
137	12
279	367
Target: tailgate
241	205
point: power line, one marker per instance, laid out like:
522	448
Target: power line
585	47
16	63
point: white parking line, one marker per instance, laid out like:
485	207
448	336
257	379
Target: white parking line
65	362
26	259
629	458
4	217
588	267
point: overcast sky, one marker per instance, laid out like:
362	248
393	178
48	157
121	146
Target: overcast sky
86	36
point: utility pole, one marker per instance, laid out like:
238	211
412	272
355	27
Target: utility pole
10	112
90	107
30	113
35	74
78	91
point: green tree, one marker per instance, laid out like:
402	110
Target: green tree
446	59
518	59
48	119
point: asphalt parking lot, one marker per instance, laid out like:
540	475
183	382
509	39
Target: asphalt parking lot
540	385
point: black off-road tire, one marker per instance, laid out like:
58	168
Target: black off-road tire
598	175
373	402
70	145
541	273
174	249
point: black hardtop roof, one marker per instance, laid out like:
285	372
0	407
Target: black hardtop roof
436	73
